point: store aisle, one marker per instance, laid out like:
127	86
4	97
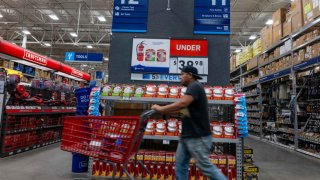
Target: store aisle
276	163
48	163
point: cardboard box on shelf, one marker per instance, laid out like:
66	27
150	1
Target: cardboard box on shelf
263	34
301	55
286	27
296	6
252	63
277	51
297	21
310	10
256	47
316	50
269	38
279	16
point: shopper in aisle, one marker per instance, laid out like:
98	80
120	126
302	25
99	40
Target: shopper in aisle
196	139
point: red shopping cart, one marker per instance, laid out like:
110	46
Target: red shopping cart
111	138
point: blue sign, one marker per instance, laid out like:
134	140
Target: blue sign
130	16
306	64
212	17
275	75
99	75
83	57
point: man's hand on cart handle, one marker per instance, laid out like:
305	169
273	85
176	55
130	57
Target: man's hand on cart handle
182	103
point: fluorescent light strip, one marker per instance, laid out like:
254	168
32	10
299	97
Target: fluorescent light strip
89	46
73	34
252	37
102	18
269	22
47	44
54	17
26	32
1	16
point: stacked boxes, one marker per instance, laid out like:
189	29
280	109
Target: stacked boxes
278	18
275	66
252	63
256	47
311	10
296	15
161	165
306	54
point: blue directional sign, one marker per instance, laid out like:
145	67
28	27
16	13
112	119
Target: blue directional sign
130	16
212	17
83	57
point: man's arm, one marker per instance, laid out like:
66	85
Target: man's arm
184	102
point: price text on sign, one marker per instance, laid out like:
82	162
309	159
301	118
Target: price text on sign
177	64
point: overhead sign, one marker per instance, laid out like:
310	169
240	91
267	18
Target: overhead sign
212	17
150	55
168	57
33	57
83	57
130	16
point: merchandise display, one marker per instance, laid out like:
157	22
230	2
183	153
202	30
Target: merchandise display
281	92
164	91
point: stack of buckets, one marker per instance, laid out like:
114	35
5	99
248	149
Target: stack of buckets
80	162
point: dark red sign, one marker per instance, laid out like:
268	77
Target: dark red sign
188	48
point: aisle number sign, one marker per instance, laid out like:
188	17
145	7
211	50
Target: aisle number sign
160	58
212	17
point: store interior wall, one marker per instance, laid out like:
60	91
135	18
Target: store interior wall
177	23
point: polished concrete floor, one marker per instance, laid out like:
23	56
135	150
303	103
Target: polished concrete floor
50	163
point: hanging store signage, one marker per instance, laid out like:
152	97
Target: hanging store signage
212	17
33	57
130	16
168	57
83	57
150	55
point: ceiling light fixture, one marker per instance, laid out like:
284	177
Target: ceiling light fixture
269	22
1	16
47	44
73	34
26	32
252	37
102	18
237	50
54	17
89	47
106	58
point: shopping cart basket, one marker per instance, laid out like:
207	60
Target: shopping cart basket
111	138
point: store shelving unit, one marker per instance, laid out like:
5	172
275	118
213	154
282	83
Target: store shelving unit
110	101
36	119
289	74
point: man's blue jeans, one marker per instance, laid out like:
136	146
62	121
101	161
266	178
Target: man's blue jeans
199	149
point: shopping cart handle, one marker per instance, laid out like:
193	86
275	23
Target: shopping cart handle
147	114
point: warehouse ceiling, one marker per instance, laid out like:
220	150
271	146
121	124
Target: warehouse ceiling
85	19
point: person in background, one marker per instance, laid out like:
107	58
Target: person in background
195	139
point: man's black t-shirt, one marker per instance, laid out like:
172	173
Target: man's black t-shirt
195	120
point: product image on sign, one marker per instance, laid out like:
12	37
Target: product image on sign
150	55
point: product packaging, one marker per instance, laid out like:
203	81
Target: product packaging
229	93
174	91
209	92
217	129
117	90
128	90
151	90
151	127
161	127
218	92
139	91
107	90
183	91
173	127
162	91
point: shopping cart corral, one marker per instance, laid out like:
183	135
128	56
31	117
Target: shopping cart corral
113	139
